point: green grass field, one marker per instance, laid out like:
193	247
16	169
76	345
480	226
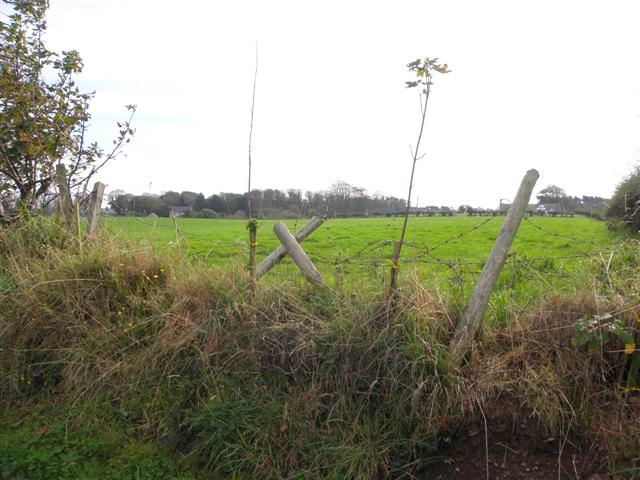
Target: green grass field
548	253
218	240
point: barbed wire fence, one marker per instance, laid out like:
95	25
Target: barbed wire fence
369	262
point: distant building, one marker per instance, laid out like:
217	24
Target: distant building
180	211
504	207
551	207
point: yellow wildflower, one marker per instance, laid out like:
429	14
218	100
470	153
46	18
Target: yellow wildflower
629	348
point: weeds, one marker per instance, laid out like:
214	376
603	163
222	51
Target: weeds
281	381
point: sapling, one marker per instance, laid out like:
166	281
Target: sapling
252	224
424	69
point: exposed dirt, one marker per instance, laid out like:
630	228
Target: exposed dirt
513	446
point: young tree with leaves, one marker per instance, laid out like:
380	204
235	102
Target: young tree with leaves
43	114
424	69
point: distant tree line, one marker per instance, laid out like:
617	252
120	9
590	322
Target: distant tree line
555	197
342	199
552	201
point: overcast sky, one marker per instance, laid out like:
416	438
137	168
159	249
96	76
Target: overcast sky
551	85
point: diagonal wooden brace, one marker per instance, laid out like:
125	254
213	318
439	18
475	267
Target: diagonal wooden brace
279	253
297	254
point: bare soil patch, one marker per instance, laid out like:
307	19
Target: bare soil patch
512	445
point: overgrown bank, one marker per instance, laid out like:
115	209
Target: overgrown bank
276	382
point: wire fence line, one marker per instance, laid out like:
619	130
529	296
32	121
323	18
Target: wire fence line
450	239
372	255
573	238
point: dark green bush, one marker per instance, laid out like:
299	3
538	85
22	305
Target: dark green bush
625	204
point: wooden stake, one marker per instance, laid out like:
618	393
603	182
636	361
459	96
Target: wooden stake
393	284
78	230
96	206
253	243
279	253
295	251
474	313
175	227
64	196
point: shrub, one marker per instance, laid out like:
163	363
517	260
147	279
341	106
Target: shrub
208	213
625	204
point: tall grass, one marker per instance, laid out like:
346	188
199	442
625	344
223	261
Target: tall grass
283	381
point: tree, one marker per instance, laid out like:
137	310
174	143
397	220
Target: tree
199	202
216	203
43	114
113	200
121	202
295	199
555	194
551	194
171	198
424	70
187	199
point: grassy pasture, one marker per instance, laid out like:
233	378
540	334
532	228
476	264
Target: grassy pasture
549	254
216	241
359	244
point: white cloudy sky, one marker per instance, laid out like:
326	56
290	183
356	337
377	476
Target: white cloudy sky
551	85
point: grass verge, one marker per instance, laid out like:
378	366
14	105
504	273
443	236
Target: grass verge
237	380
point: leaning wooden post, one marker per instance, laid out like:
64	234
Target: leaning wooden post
96	206
279	253
295	251
468	325
175	227
64	196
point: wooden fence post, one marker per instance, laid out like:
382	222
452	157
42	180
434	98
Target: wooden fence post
172	215
64	196
77	225
468	325
393	283
295	251
279	253
253	243
96	206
